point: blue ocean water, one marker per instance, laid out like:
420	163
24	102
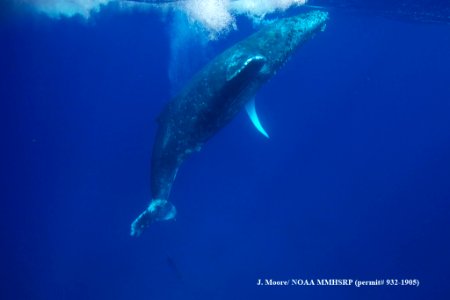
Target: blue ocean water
354	182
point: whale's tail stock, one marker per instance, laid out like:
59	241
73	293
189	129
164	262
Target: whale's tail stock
158	210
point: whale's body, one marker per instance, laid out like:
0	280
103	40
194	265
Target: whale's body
213	97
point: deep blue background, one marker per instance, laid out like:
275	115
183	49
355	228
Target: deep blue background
354	182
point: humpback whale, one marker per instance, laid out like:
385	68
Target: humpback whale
213	98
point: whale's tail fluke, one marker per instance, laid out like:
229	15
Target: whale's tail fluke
158	210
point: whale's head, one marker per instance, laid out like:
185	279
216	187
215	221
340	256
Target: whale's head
279	40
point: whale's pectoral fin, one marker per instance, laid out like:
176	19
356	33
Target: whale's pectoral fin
251	111
158	210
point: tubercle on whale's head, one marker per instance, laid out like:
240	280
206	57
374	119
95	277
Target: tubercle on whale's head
279	40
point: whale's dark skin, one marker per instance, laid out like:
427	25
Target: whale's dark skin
213	98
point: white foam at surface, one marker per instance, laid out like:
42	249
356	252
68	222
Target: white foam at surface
213	14
66	8
262	7
213	17
216	16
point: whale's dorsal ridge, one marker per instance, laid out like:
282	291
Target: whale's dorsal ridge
240	66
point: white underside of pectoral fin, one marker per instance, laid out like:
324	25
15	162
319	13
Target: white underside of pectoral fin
251	111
